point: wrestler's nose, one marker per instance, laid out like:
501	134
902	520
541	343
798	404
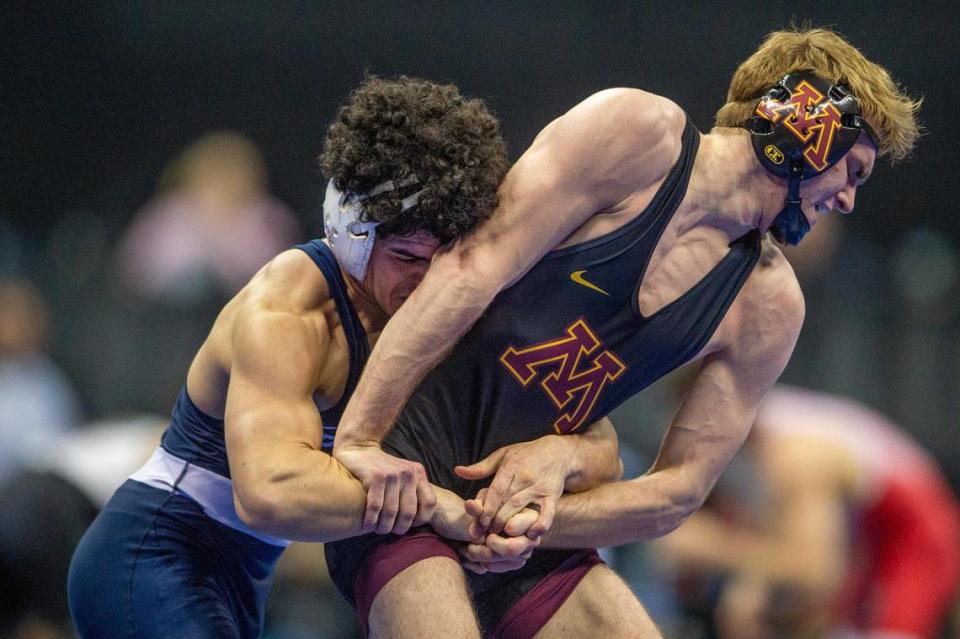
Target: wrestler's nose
846	199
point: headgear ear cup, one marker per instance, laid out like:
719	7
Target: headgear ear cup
802	126
350	238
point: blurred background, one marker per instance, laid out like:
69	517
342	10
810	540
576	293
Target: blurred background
153	155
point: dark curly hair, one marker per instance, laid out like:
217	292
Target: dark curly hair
390	129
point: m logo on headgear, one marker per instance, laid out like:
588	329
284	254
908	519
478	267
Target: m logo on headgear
809	118
567	386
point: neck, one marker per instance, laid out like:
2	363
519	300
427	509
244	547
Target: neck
735	193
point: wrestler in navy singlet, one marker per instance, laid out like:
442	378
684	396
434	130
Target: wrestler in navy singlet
168	555
554	353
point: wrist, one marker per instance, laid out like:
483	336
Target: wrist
449	517
345	441
572	453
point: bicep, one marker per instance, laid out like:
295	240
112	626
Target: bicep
270	404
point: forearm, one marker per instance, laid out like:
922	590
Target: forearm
413	342
316	499
622	512
310	497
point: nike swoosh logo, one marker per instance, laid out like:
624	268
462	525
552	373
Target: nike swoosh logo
577	276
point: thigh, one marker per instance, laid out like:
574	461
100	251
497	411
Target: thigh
129	580
427	599
602	605
97	582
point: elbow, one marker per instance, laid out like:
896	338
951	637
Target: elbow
472	279
476	268
614	471
259	510
682	507
680	502
618	470
476	291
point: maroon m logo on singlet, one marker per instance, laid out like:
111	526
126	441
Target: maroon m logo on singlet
573	389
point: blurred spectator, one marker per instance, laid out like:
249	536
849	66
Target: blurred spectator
42	517
37	403
211	226
100	456
44	511
13	249
859	536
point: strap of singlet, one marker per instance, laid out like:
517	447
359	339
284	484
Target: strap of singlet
661	208
356	335
668	197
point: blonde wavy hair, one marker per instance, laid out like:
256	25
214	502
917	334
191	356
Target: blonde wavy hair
890	111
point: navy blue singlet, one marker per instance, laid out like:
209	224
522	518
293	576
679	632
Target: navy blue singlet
168	556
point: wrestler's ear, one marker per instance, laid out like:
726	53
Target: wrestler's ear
483	468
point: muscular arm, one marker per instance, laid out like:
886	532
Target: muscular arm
283	483
710	426
588	160
536	472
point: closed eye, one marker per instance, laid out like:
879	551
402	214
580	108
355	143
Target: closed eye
404	256
860	177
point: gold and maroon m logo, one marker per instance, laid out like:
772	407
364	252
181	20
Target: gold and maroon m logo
572	388
801	115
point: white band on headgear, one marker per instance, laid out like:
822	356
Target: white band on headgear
350	239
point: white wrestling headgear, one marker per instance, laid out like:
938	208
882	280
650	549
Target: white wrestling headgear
350	239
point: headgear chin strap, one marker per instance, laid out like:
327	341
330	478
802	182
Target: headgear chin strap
802	126
350	238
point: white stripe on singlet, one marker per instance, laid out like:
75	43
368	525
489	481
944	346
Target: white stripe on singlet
213	492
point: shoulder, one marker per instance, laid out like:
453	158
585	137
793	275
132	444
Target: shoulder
281	310
634	120
613	143
638	112
290	282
